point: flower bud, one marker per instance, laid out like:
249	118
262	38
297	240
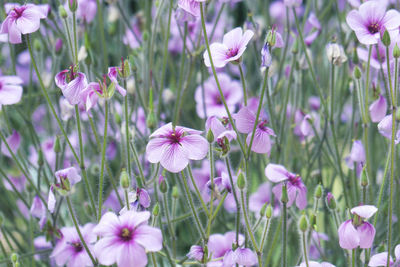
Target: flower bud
241	182
330	201
156	209
262	210
386	38
271	38
295	47
117	118
268	212
175	192
210	136
396	51
266	57
57	145
73	5
58	46
14	258
151	120
284	196
364	177
162	183
357	73
303	225
145	35
63	13
318	192
124	180
313	220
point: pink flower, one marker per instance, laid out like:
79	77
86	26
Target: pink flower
90	95
192	7
316	264
231	49
380	259
86	10
219	245
357	155
377	109
113	74
245	120
260	197
22	20
72	85
358	232
212	104
13	141
65	180
295	187
10	90
385	128
370	20
69	249
173	148
125	239
196	252
51	200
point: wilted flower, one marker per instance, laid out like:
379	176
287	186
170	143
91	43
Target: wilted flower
358	232
173	148
23	19
72	85
370	20
113	74
295	187
336	54
230	50
125	239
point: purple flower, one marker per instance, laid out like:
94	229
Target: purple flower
245	120
259	198
66	178
377	109
370	20
113	74
212	104
192	7
72	85
173	148
316	264
10	90
385	128
69	249
357	156
37	209
22	20
17	181
358	232
90	95
266	56
380	259
86	10
125	239
219	245
13	141
378	56
312	28
196	252
231	49
51	200
292	3
295	187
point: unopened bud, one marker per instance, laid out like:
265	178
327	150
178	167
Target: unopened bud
14	257
37	45
57	145
58	46
73	5
175	192
210	136
145	35
330	201
262	210
63	13
386	38
156	209
303	224
396	51
313	220
40	161
284	196
357	73
295	47
318	192
163	184
364	177
241	182
124	179
151	120
268	212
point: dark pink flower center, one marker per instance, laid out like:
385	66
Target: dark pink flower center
1	86
374	27
232	52
175	137
262	125
295	180
77	246
126	234
18	11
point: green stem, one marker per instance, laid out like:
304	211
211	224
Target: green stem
101	29
103	158
243	84
128	206
265	233
246	219
140	180
203	204
305	248
211	158
75	37
71	211
284	228
228	167
127	134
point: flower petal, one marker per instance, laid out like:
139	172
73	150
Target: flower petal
364	211
366	233
149	237
276	173
348	235
174	158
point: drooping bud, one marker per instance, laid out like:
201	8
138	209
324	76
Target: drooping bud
318	192
162	183
241	182
330	201
262	210
124	180
303	224
156	209
63	13
386	38
284	196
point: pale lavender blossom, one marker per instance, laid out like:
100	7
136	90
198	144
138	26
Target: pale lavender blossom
380	259
173	148
377	109
296	189
357	156
221	244
385	128
316	264
113	75
22	19
126	239
10	90
370	20
72	85
191	7
196	252
357	232
13	142
86	10
230	50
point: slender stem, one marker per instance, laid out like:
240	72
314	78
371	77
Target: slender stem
79	231
75	37
192	207
353	258
265	233
127	134
305	248
367	82
228	166
211	158
203	24
140	180
71	49
128	206
103	158
82	161
243	84
284	228
196	188
101	29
